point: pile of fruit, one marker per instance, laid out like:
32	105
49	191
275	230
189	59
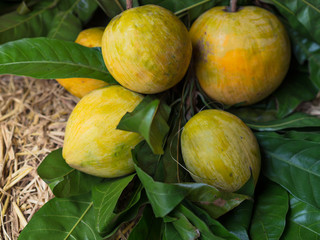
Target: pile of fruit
174	126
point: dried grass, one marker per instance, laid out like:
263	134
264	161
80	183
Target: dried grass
33	115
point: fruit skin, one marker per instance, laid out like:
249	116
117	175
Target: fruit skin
220	150
92	143
79	87
147	49
240	57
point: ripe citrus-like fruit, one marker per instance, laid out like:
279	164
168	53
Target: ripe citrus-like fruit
92	143
240	57
81	86
220	150
147	49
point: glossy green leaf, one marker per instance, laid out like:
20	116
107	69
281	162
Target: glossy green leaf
53	18
183	226
67	23
83	9
203	228
114	7
215	202
214	225
63	180
295	120
303	221
296	89
269	217
105	197
254	114
306	49
52	58
303	15
292	163
63	218
308	136
37	23
148	227
167	169
65	26
170	233
163	197
149	119
238	220
131	212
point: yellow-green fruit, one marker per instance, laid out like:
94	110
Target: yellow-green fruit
92	143
240	57
219	149
147	49
79	87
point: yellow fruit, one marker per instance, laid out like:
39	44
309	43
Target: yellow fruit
92	143
81	86
240	57
220	150
147	49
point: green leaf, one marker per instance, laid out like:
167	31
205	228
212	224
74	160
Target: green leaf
67	23
114	7
185	229
52	58
215	226
252	114
295	120
296	88
269	216
309	136
303	15
65	26
163	197
83	9
207	197
292	163
238	220
105	197
306	49
63	218
148	227
149	119
130	213
170	233
37	23
303	221
205	231
63	180
53	18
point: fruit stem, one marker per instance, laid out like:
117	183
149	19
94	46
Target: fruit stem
233	5
129	4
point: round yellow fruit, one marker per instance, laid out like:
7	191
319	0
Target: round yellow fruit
92	143
147	49
79	87
240	57
220	150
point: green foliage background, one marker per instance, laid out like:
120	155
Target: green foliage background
36	40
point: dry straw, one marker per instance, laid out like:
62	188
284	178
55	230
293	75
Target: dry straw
33	115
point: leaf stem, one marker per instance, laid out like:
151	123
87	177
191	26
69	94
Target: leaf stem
119	5
233	6
129	4
192	6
